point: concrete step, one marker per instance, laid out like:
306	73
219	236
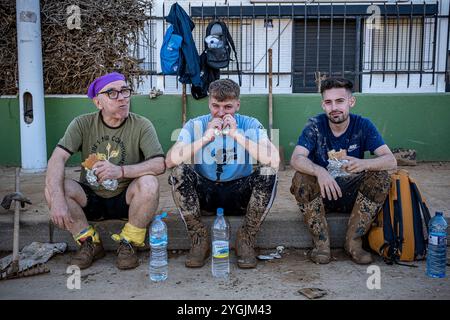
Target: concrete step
278	229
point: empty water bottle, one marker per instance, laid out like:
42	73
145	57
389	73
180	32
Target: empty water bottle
220	265
437	246
158	244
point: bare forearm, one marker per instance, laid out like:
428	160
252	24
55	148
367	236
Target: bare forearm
153	167
385	162
54	180
305	165
184	153
265	153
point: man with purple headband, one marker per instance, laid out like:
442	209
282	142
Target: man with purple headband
128	152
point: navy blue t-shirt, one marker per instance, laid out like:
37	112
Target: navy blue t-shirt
360	136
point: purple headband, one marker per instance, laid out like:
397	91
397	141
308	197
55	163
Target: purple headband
101	82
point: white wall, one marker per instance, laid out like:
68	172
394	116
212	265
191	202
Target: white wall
168	83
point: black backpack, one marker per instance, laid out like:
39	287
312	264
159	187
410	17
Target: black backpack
218	45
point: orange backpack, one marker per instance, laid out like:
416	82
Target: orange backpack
400	232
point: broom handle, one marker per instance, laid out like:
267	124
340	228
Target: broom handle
16	221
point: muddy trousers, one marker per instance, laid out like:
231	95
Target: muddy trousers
251	196
363	195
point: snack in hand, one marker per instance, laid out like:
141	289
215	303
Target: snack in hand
337	155
90	161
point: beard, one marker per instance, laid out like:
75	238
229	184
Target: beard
338	119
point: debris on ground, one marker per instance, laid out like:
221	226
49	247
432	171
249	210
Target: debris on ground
312	293
273	255
33	257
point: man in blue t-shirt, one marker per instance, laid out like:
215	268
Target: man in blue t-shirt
213	167
332	174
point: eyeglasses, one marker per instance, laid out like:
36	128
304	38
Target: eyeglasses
114	94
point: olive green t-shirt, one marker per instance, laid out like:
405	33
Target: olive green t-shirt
134	141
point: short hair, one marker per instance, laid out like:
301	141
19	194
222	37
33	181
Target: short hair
224	89
332	83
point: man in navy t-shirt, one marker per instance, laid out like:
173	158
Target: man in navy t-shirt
213	167
332	174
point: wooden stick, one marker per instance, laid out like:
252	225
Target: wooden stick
15	258
183	107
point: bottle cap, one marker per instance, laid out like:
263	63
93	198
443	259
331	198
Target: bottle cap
161	216
439	213
220	211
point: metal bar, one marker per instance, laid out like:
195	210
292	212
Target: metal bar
228	23
447	75
164	28
267	27
372	45
242	34
343	41
434	44
384	42
398	35
279	43
292	47
331	42
150	50
304	43
270	95
253	42
358	54
410	46
318	38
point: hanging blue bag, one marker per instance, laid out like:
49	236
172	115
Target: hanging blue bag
170	52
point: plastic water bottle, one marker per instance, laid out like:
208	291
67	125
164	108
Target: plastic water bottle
220	265
437	246
158	243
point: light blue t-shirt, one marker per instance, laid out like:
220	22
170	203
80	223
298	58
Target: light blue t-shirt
223	159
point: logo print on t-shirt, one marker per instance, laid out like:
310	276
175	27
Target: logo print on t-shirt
109	152
352	147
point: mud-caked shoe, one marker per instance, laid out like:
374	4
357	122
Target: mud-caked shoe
199	252
87	254
245	250
126	256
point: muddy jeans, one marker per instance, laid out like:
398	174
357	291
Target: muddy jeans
374	185
194	194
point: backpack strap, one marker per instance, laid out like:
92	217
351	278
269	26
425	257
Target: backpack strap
398	227
230	40
419	238
388	232
398	224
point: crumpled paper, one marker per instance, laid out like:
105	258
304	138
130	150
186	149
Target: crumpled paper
34	253
335	168
108	184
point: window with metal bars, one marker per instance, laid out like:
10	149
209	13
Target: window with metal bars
399	45
145	50
241	32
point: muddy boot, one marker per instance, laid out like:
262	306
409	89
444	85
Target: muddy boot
371	196
263	190
126	256
359	223
306	190
200	243
245	252
314	217
87	254
183	180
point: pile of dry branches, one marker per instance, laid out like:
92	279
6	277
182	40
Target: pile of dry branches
74	57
